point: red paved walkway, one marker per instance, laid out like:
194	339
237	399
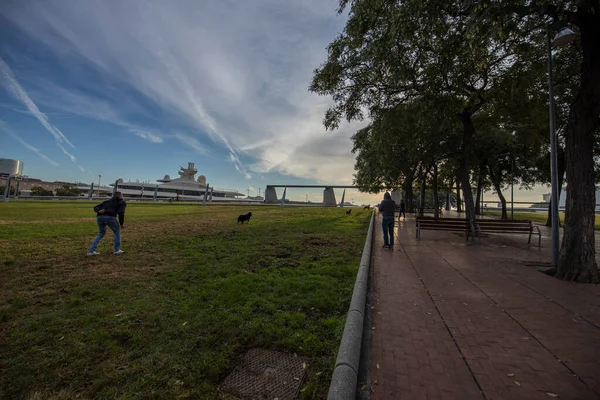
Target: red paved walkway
459	321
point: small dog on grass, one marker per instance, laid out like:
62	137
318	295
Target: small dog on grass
348	212
244	217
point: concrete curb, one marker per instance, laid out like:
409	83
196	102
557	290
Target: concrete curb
345	374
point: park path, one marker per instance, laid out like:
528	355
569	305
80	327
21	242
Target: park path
453	320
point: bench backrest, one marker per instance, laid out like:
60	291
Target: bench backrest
499	225
459	223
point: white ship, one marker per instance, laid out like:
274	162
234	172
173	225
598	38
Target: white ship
186	187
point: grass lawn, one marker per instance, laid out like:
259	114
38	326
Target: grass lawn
173	315
539	217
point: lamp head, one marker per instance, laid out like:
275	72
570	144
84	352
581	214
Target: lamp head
563	37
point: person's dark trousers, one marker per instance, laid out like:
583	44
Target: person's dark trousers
387	224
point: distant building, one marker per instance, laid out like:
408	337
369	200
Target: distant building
26	184
547	197
10	167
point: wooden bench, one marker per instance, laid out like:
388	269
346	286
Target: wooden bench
508	226
445	224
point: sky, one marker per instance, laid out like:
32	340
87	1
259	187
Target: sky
134	89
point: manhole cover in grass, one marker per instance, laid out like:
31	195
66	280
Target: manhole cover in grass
266	374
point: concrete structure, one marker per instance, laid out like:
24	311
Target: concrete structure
547	197
343	197
270	195
328	194
345	374
10	167
329	197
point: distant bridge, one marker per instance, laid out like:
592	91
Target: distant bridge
328	194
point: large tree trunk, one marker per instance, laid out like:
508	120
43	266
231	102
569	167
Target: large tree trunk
463	163
436	195
410	200
577	260
458	199
495	177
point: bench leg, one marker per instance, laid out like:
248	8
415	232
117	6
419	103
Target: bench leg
530	237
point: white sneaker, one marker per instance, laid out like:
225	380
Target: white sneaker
119	252
93	253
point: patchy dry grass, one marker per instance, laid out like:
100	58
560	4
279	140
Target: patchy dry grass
172	316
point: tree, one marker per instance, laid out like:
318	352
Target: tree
403	144
577	255
68	190
40	191
395	52
11	191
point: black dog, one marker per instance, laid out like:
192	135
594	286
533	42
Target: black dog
348	212
244	217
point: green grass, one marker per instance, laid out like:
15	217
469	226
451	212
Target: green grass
539	217
173	315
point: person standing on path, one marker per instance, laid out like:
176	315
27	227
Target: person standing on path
402	209
387	208
107	213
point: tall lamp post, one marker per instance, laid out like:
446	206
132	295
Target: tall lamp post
563	37
99	177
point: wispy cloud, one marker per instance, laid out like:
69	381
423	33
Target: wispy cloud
235	72
15	89
191	143
149	136
5	128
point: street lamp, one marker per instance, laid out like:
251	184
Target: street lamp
563	37
99	177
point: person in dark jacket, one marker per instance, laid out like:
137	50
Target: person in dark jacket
387	208
402	209
107	213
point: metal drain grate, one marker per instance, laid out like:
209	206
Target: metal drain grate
266	374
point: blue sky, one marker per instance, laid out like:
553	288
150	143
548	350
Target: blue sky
135	89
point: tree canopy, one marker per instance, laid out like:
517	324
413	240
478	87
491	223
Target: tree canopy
458	89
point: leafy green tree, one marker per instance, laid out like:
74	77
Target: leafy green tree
68	190
40	191
3	188
395	52
577	261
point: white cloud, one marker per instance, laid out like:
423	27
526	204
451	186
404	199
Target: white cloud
16	90
5	128
236	72
191	142
149	136
13	87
